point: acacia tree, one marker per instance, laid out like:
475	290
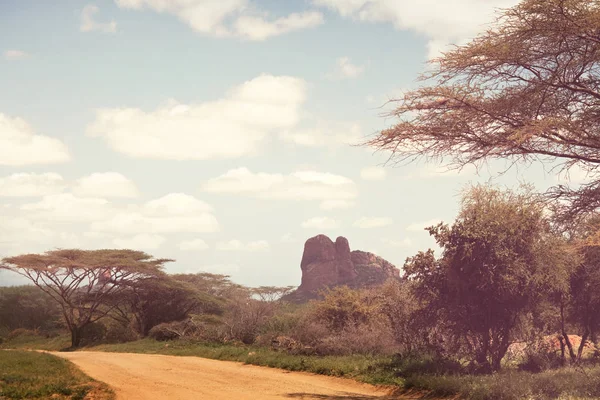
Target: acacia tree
160	299
81	281
527	89
496	260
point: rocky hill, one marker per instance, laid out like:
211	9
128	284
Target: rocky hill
328	264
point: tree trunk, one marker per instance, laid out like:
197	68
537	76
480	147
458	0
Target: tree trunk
564	333
76	334
584	339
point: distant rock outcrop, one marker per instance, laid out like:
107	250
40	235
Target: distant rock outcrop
328	264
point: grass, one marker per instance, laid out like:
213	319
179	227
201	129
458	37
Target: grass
416	376
368	369
32	375
564	383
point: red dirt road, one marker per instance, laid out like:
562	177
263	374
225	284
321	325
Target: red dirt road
148	376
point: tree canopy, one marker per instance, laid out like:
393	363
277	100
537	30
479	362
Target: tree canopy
81	281
496	261
528	89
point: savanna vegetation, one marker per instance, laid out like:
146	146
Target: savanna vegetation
507	307
32	375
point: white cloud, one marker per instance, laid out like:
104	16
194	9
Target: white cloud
31	185
227	18
372	222
324	223
216	269
337	204
301	185
20	146
227	128
287	238
441	22
258	28
193	245
406	242
420	226
373	173
175	212
344	69
143	241
105	184
20	234
325	133
14	55
89	24
236	245
69	208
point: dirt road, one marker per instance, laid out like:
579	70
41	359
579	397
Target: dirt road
145	376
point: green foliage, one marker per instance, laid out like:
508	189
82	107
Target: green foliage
493	268
27	307
31	375
565	383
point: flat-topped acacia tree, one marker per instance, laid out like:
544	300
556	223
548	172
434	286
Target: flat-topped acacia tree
527	89
80	281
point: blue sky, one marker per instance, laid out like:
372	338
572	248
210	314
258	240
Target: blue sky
219	132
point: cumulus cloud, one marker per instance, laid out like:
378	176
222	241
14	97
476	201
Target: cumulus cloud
237	245
105	184
19	145
14	55
323	223
337	204
67	207
373	173
226	269
287	238
193	245
259	28
31	185
228	18
89	24
300	185
441	23
372	222
420	226
173	213
143	242
345	69
325	133
23	234
227	128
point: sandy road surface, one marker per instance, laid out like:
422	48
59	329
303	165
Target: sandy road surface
148	376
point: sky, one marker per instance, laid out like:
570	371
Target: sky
222	133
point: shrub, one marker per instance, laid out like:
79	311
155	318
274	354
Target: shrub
172	330
118	333
93	333
22	332
414	363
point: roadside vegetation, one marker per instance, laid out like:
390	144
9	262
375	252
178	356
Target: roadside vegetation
33	375
506	307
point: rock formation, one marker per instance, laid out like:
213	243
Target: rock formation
328	264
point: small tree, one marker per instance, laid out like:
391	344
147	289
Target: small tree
81	281
490	272
160	299
528	89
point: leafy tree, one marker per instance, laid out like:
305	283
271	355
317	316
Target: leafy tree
527	89
583	301
81	281
160	299
27	307
495	261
